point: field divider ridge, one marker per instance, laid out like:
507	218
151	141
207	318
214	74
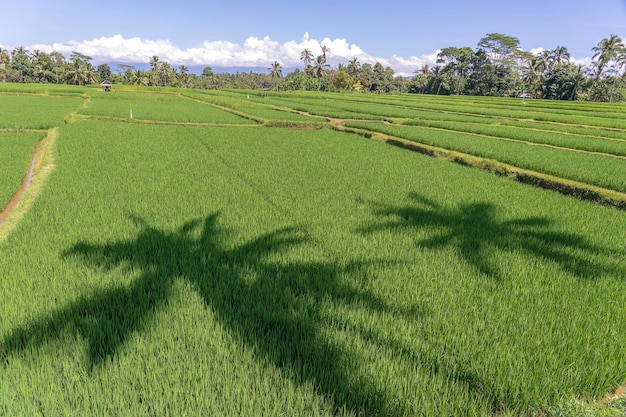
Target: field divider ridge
40	165
579	190
525	142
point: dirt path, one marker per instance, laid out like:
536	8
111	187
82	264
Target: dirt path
619	392
40	165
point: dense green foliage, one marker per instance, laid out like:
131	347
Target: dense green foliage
497	67
241	270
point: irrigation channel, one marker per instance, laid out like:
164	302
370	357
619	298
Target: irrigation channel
24	186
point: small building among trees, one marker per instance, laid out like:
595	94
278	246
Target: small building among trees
106	86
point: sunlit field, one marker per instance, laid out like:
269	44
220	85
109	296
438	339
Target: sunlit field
223	253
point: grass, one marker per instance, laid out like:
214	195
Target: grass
165	107
243	105
15	152
599	170
21	112
242	271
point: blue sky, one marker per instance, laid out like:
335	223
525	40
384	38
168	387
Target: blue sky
402	34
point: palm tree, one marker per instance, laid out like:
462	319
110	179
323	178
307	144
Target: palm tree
91	74
154	65
58	61
353	67
276	71
307	57
183	72
320	69
76	73
325	50
608	50
5	60
559	55
20	62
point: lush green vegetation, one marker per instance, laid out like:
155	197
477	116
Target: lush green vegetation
601	170
159	107
237	270
16	150
19	112
249	107
497	67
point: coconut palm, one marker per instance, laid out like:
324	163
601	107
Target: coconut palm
306	56
183	73
276	72
154	66
559	55
325	50
76	73
320	68
353	67
5	60
608	50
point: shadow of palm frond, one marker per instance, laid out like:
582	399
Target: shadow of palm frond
279	314
475	231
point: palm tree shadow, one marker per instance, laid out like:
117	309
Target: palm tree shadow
278	314
475	232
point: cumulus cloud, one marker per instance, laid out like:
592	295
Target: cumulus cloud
254	52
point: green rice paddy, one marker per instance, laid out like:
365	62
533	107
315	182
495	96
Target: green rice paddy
195	261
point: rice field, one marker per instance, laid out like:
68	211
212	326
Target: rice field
149	106
16	150
225	268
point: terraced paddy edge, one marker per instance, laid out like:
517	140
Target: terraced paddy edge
563	186
566	171
15	151
246	271
39	167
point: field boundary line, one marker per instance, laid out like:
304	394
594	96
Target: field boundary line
159	122
226	109
399	121
579	190
41	165
490	116
524	142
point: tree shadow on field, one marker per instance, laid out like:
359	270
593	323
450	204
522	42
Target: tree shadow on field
278	313
476	233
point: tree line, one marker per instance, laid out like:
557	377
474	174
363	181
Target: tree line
496	67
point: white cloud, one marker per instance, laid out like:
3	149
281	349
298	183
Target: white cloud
254	52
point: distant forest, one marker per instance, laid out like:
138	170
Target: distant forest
496	67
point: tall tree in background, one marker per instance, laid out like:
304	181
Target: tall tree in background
276	72
320	69
608	51
353	67
609	60
5	61
154	68
306	56
21	64
58	65
325	50
456	64
559	55
501	49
